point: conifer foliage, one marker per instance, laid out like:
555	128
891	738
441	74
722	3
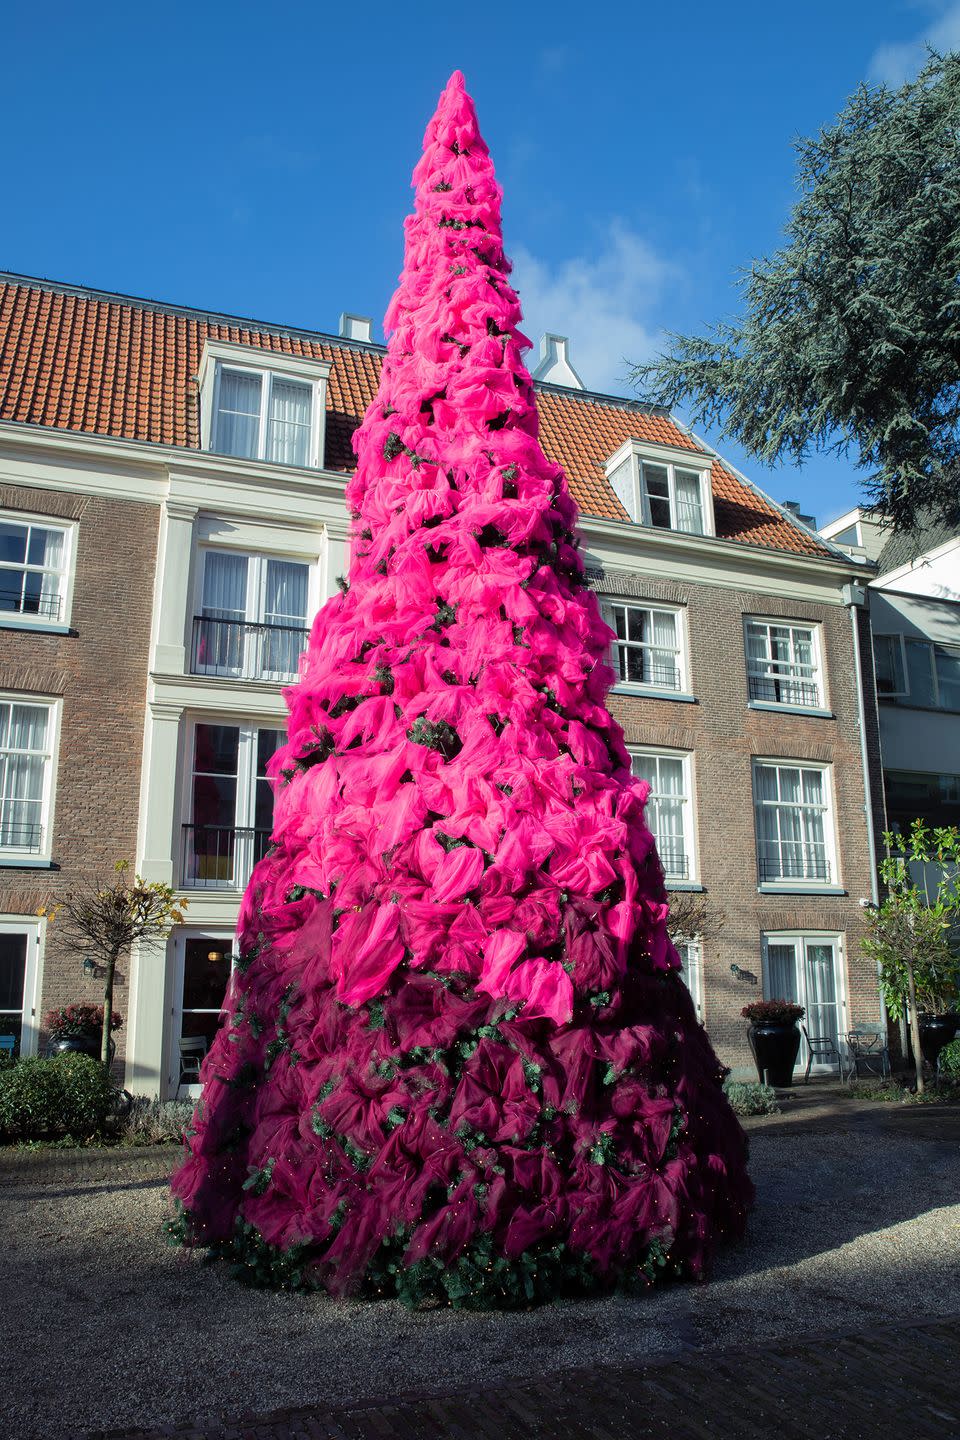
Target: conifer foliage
458	1061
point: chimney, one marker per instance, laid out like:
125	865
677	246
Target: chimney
793	506
356	327
554	365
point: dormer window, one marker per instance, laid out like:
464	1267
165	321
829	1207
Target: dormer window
663	489
260	405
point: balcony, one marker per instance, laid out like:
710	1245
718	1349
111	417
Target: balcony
784	690
44	607
217	857
794	862
244	650
675	862
20	836
635	668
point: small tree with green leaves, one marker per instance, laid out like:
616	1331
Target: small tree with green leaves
105	921
849	339
913	931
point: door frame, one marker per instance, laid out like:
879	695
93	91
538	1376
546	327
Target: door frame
804	937
217	934
35	928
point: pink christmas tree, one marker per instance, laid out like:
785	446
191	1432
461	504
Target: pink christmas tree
458	1059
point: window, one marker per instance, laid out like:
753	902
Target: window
264	416
253	616
691	960
806	969
231	805
203	966
794	837
648	649
34	560
919	795
661	492
923	673
27	733
783	663
668	809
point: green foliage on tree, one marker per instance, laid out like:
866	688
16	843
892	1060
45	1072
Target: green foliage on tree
849	337
914	931
104	921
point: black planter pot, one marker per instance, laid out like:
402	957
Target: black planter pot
79	1045
775	1048
935	1032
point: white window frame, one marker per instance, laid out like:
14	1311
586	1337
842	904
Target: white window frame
254	609
641	687
20	620
35	931
818	679
692	973
217	936
931	647
828	810
19	857
804	938
692	462
688	812
267	365
244	815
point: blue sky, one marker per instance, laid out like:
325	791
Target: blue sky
257	161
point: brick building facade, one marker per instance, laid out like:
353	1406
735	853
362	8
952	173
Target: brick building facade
201	461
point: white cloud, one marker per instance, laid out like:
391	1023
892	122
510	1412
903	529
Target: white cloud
602	302
895	64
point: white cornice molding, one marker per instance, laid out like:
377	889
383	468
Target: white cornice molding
257	357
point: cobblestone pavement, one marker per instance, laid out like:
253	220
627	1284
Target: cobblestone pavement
809	1328
893	1381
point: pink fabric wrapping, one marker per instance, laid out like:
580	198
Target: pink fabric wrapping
458	1011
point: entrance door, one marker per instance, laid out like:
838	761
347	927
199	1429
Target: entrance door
203	965
19	965
806	969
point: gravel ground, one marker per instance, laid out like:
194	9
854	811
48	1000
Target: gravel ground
104	1326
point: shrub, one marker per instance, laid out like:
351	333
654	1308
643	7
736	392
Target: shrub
79	1019
45	1099
948	1064
773	1012
748	1098
155	1122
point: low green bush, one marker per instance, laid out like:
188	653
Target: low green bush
949	1062
45	1099
747	1097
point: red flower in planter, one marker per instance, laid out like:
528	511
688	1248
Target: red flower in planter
78	1019
773	1012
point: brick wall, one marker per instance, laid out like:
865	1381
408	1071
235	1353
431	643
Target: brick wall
100	671
723	734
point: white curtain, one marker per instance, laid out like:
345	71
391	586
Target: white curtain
782	979
688	502
768	830
821	986
288	438
224	586
47	549
285	604
23	738
665	807
238	418
663	654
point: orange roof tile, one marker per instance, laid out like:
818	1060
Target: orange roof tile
111	365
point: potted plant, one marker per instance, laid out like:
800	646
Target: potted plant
774	1038
79	1027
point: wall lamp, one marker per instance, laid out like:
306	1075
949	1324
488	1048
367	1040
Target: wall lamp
746	975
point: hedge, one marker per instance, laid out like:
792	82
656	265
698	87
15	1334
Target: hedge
47	1099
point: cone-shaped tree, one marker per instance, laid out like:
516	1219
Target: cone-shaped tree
459	1059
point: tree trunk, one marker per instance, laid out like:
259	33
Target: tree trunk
915	1026
108	1007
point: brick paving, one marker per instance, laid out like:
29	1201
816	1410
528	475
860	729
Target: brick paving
896	1380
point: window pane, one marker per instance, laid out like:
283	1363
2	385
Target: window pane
689	503
888	661
217	749
13	543
46	548
205	980
224	585
920	672
13	968
288	431
238	418
286	598
947	660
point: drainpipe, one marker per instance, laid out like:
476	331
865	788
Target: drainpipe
855	597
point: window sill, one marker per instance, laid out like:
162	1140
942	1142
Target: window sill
689	887
40	627
25	862
642	692
784	887
790	709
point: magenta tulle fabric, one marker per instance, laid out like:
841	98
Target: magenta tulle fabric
458	1016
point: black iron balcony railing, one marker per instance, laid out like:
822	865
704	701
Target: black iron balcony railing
20	836
783	690
635	669
246	650
15	602
675	862
795	862
218	857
